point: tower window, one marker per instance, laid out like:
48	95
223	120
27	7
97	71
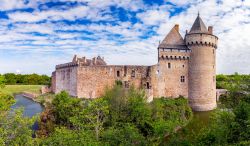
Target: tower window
148	87
133	73
182	79
213	51
169	65
183	66
125	71
118	73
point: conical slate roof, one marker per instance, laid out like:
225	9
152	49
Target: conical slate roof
198	26
173	39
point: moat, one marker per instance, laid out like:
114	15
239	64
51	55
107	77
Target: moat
31	108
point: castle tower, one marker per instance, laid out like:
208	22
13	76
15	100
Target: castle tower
202	73
171	78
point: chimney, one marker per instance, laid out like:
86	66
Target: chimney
84	59
210	29
94	61
176	27
74	59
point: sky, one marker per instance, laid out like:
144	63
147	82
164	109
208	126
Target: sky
36	35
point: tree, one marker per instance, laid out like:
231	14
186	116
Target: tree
127	134
65	137
2	81
10	78
65	107
16	129
92	116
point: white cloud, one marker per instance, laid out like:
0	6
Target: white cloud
153	17
119	42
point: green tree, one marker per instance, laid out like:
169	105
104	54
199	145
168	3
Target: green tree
10	78
127	134
16	129
64	137
2	81
92	116
65	107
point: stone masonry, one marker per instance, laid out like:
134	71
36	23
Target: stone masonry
186	67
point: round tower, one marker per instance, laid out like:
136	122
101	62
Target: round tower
202	73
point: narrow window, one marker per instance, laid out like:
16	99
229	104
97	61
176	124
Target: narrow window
182	79
148	71
213	51
183	66
118	73
148	87
133	73
125	71
169	65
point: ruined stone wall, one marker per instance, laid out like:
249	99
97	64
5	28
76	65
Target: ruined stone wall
93	80
53	82
166	79
66	79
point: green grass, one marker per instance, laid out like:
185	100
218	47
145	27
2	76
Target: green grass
14	89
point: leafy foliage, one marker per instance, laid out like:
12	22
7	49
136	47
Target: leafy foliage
65	107
2	81
28	79
120	117
16	129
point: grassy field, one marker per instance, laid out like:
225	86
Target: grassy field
12	89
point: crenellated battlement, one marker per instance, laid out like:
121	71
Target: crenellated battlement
174	57
201	39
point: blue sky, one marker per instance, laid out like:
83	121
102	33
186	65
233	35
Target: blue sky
36	35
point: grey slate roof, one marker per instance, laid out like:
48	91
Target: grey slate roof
198	26
173	40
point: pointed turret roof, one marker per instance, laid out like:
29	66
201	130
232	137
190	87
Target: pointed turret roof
198	26
173	39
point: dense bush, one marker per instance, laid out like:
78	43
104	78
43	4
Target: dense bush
119	117
230	123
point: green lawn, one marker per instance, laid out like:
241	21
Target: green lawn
12	89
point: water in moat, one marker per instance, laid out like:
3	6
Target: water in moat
31	108
199	121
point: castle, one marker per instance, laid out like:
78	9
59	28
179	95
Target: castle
186	67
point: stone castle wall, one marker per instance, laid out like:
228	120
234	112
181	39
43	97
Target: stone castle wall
66	79
92	81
